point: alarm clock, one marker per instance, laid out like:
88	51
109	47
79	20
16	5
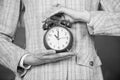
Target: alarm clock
58	35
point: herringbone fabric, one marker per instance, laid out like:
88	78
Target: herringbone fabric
86	65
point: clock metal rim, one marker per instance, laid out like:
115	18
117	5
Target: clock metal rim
68	47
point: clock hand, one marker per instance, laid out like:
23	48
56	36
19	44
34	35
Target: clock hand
56	37
58	33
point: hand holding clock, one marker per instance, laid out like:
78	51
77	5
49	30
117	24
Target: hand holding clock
74	16
48	56
83	16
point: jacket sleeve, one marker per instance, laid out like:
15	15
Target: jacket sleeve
10	54
106	22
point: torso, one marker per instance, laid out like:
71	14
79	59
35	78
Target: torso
35	9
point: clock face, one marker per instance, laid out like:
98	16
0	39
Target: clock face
58	38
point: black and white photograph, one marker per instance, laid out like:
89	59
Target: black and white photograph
59	39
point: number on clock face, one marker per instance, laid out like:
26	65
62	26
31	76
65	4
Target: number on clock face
58	38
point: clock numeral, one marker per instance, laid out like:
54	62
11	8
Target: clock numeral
50	43
58	47
65	33
50	34
48	39
66	42
52	31
67	38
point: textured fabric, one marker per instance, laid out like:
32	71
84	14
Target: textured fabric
106	22
86	66
10	54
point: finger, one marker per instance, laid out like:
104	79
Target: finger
55	57
66	54
69	18
52	11
49	52
49	59
62	58
59	55
55	10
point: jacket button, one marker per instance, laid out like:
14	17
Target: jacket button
91	63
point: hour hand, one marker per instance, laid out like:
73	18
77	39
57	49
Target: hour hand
56	37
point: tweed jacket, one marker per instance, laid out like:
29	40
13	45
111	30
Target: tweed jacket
85	66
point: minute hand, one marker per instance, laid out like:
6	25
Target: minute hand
58	34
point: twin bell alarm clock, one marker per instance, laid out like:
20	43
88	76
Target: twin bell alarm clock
58	36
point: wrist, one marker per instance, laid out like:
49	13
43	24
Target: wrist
22	62
31	60
27	60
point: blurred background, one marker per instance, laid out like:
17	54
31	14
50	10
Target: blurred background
108	49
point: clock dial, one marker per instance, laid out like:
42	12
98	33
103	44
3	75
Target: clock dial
58	38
